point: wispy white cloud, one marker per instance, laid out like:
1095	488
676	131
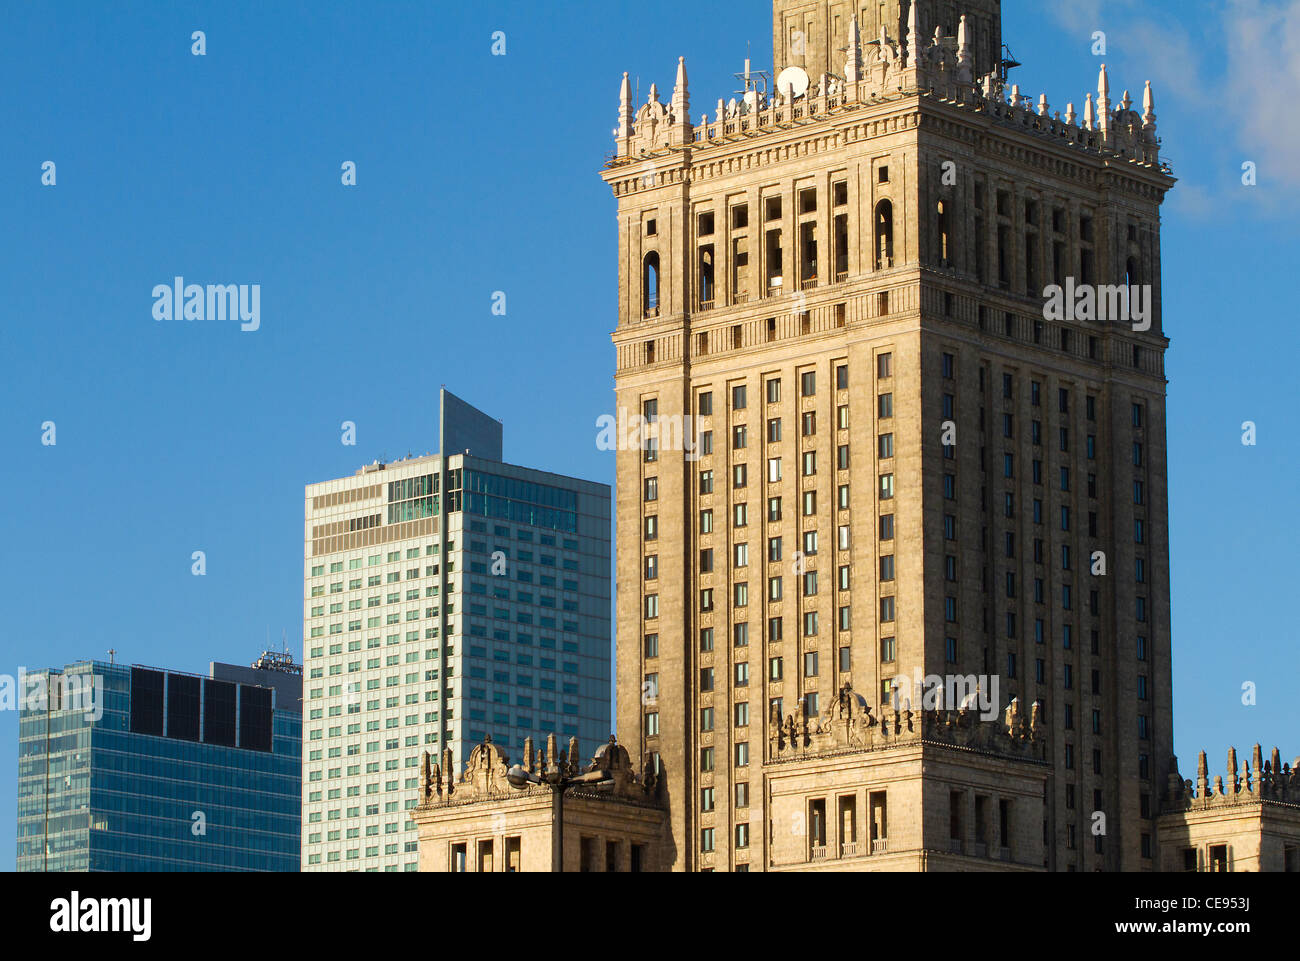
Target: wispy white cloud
1086	15
1169	53
1236	64
1261	94
1195	201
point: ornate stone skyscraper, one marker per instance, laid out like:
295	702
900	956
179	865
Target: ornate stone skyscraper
814	34
908	322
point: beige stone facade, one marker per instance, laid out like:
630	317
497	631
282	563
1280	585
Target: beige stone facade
1248	821
903	465
479	821
892	534
935	790
814	34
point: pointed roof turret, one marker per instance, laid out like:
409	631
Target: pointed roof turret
853	64
1103	100
681	101
913	34
625	109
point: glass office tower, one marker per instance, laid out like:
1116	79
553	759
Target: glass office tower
160	770
446	598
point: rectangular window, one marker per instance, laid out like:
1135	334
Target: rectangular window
888	650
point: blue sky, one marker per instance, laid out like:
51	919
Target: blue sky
478	174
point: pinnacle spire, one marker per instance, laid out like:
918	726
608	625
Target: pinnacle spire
1103	102
853	65
625	108
913	34
681	92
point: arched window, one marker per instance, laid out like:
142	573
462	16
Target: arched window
706	278
650	284
884	235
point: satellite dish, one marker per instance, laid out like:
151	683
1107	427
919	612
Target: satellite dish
793	82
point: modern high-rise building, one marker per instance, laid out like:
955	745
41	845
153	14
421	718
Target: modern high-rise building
126	768
446	599
906	455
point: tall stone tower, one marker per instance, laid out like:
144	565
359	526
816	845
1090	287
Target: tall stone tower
898	342
814	34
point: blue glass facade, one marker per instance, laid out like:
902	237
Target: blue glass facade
535	594
100	795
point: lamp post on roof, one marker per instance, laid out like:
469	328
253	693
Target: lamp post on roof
553	775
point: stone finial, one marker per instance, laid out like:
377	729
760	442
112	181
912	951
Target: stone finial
1070	115
853	65
1015	95
1036	719
1011	717
528	754
552	753
425	776
1218	785
681	92
1148	107
913	34
1089	115
1043	108
1233	767
681	106
1127	103
625	107
1174	782
574	757
1275	764
1202	775
722	110
1103	101
965	63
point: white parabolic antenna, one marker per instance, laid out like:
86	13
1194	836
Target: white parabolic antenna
793	82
